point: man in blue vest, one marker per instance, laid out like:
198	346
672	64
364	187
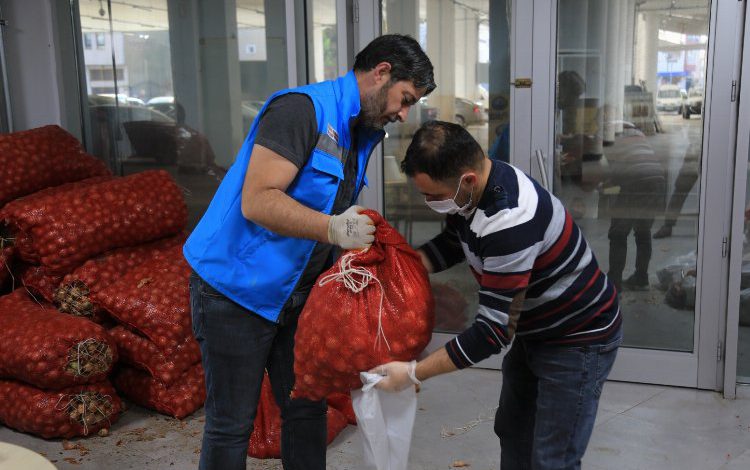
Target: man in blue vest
271	229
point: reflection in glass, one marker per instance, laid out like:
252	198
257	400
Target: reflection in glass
322	39
628	135
178	88
468	44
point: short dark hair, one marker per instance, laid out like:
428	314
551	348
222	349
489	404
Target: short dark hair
442	151
408	60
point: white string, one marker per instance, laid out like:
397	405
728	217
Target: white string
346	275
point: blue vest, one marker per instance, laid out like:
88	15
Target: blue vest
255	267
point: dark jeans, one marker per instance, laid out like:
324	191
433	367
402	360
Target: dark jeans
548	403
237	346
634	210
619	229
686	178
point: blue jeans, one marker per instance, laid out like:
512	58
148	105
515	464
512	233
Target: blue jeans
548	403
237	346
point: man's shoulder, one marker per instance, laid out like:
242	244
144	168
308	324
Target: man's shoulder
293	101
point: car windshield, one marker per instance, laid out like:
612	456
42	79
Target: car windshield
669	94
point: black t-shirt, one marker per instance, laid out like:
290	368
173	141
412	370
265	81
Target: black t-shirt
289	127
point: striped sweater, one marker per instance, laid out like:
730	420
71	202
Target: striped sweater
521	239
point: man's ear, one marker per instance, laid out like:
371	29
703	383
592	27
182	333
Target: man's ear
470	178
382	72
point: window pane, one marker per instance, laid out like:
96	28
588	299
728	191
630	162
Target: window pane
468	44
189	82
628	135
321	39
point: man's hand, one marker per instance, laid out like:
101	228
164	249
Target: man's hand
398	376
351	230
426	261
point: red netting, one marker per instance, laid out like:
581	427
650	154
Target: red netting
342	402
265	442
61	231
40	158
74	292
43	347
74	411
154	299
342	332
6	265
39	283
28	205
186	395
142	353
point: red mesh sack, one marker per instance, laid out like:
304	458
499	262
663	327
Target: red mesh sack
74	411
265	442
450	308
40	158
12	236
43	347
74	292
154	299
371	307
6	264
39	282
185	396
60	232
137	351
342	402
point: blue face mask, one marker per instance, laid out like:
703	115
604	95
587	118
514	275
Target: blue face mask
449	206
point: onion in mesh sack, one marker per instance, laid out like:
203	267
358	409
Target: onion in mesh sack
73	294
153	299
40	158
62	231
73	411
48	349
182	398
370	308
166	366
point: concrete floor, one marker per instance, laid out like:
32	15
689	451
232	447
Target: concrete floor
638	427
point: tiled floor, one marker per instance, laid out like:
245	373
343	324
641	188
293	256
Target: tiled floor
638	427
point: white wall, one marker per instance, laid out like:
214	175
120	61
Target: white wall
31	54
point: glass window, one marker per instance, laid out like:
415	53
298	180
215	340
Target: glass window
628	138
186	85
322	40
87	40
468	44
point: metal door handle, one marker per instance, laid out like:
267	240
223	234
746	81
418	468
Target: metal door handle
541	160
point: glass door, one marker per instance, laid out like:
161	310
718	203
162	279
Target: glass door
471	47
632	113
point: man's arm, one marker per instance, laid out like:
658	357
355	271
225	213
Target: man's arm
443	251
265	202
440	362
425	261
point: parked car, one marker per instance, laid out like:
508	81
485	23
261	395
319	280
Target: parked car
669	99
693	103
469	112
164	104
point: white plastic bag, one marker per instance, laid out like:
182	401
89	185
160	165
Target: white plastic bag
385	421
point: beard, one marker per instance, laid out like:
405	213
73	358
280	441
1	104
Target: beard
373	108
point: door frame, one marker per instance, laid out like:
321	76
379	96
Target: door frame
742	155
703	367
534	26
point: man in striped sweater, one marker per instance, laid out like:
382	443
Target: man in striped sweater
538	282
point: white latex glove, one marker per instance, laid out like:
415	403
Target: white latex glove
398	376
351	230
